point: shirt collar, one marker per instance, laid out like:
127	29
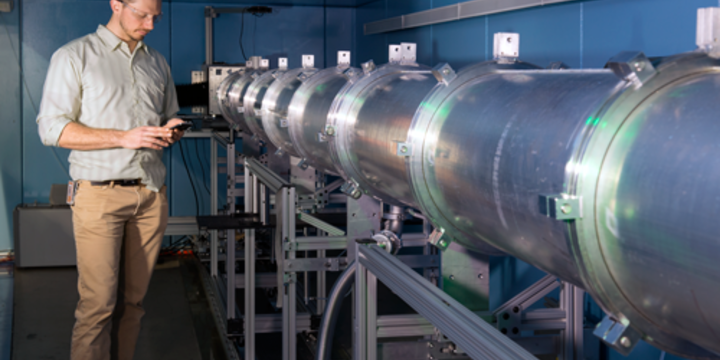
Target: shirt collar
112	41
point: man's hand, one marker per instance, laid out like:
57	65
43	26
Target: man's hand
173	135
149	137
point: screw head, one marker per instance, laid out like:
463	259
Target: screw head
442	243
403	149
566	209
330	131
452	277
639	66
625	342
430	345
446	71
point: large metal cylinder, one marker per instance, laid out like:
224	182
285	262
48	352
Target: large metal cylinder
308	114
253	102
369	119
638	154
230	95
276	104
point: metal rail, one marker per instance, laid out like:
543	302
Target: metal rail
454	12
475	336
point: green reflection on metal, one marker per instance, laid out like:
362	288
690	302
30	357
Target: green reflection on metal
321	87
596	122
589	120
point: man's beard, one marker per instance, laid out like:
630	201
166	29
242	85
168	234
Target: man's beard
130	34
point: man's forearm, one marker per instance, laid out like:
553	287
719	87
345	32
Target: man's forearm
79	137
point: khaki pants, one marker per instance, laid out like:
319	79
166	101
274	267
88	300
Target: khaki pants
118	234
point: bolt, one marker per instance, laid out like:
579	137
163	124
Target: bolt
566	209
506	316
403	149
516	309
430	357
446	71
330	131
625	342
328	264
430	345
452	277
480	276
639	66
442	243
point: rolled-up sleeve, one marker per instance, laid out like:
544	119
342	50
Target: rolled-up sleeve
61	101
171	107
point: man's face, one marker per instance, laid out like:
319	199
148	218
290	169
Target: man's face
136	18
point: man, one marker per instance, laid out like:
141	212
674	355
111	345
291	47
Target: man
111	99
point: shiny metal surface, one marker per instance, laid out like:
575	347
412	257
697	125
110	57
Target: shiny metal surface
369	118
648	242
308	112
276	104
252	102
230	95
492	141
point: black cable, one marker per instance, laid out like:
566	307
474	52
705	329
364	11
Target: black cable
242	30
202	165
192	183
190	166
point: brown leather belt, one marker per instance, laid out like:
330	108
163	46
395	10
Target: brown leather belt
132	182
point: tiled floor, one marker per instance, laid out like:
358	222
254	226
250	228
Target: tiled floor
45	300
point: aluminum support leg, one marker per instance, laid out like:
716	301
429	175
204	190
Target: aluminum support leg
572	300
249	314
287	199
213	206
230	253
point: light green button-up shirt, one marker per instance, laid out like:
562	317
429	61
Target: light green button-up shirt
97	82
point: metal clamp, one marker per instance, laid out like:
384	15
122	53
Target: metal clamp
282	63
403	149
343	59
290	278
308	61
394	54
351	189
444	73
632	66
617	334
303	164
561	206
283	123
409	53
438	238
368	66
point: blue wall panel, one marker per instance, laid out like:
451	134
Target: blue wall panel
547	34
11	122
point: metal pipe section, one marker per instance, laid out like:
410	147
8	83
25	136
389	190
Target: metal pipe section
329	319
231	93
605	178
253	102
276	104
308	112
584	174
369	119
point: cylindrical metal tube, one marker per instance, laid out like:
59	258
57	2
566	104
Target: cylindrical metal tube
253	100
308	114
369	119
275	107
230	95
491	145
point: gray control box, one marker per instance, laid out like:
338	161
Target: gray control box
44	236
